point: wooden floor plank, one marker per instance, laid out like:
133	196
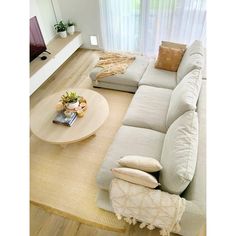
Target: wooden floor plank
70	228
38	218
52	226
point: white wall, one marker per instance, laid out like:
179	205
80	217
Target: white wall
44	12
86	15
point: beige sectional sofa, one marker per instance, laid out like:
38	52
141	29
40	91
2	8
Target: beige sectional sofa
144	130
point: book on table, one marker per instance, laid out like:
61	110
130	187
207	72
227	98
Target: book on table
62	119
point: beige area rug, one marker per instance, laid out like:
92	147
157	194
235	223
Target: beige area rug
64	180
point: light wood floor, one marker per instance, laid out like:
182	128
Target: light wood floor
43	223
47	224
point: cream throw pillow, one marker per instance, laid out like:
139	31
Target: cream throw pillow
135	176
147	164
185	96
179	153
169	58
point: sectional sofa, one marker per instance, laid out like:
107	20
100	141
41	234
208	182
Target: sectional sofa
148	121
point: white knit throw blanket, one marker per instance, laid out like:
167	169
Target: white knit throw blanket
154	208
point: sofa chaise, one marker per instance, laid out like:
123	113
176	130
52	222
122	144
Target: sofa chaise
147	123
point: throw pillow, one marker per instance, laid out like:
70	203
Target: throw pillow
147	164
193	59
135	176
179	153
173	45
169	58
184	97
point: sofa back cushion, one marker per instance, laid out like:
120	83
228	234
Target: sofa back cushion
193	58
184	97
179	153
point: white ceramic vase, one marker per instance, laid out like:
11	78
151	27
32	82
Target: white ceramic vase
71	30
72	105
63	34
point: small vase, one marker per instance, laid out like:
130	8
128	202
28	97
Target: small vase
68	113
71	30
72	105
63	34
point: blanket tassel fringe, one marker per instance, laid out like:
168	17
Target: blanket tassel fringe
131	220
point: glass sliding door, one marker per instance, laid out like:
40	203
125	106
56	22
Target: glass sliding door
140	25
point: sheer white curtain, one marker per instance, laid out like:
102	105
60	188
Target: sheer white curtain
120	24
140	25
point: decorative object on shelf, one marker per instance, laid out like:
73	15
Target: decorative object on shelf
61	29
70	27
71	103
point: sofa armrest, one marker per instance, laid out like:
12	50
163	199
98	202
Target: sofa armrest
195	214
192	220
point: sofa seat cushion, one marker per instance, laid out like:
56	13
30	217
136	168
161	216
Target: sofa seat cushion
129	141
158	78
148	108
179	153
131	77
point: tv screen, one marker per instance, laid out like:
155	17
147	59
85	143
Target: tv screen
37	44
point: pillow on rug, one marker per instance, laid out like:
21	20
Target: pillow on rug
135	176
193	59
184	97
147	164
179	153
169	58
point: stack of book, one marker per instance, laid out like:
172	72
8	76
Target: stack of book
62	119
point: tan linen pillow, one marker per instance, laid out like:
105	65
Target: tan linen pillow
169	58
135	176
147	164
173	45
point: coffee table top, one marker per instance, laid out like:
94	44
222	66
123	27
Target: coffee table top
42	114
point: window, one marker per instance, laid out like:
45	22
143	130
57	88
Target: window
140	25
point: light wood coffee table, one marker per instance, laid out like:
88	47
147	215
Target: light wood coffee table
42	114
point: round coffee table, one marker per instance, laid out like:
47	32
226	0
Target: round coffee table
42	114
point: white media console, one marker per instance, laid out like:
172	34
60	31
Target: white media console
61	49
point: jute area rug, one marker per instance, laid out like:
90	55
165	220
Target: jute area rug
63	180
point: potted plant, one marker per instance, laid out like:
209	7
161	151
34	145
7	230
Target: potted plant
61	29
70	100
70	27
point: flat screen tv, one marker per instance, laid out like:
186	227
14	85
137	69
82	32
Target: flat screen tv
37	44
